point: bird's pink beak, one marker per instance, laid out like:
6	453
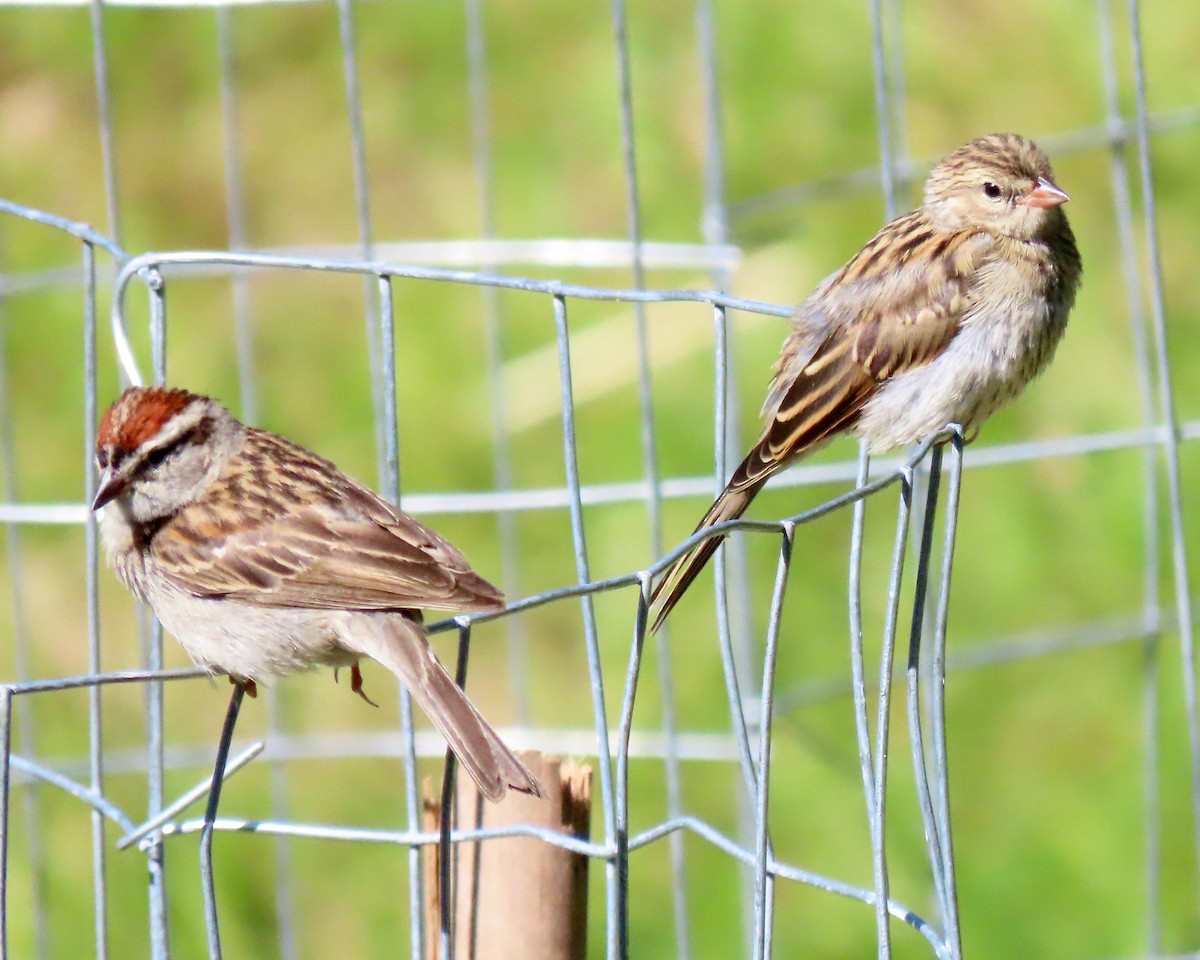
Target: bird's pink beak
1044	196
111	485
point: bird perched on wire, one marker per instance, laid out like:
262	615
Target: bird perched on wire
263	559
944	316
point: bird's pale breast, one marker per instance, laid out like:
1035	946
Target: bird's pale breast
1007	337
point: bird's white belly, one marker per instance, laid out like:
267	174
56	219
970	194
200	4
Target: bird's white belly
250	642
225	636
986	365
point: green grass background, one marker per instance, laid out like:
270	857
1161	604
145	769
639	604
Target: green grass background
1047	754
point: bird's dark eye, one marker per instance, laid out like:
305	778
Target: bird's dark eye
156	457
991	190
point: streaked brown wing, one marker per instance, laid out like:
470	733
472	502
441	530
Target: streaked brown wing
824	397
342	548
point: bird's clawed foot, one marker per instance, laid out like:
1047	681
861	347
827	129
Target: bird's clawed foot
356	683
248	685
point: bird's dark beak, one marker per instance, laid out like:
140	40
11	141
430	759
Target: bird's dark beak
1044	196
111	485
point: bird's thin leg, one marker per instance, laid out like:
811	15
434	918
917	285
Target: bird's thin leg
356	684
240	688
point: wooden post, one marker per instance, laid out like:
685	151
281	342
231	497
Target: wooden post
516	896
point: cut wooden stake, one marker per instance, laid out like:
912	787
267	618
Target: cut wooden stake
516	896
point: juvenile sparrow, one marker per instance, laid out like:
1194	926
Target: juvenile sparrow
264	559
943	317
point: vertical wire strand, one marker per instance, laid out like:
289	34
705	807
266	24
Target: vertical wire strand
735	677
412	810
731	571
714	230
447	861
92	568
390	486
155	746
1179	558
887	657
388	411
858	683
650	474
731	576
933	840
714	219
883	109
516	634
624	733
235	213
381	353
447	892
674	787
591	638
634	216
1152	609
870	775
362	207
941	760
24	718
730	564
6	697
763	881
108	156
888	112
892	30
112	211
857	533
212	927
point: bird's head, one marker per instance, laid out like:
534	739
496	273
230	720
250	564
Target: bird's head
1001	183
158	449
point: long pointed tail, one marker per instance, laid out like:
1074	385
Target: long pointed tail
817	403
400	645
731	504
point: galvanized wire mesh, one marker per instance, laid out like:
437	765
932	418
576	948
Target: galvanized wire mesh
922	489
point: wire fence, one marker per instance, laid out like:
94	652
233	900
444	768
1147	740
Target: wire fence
919	493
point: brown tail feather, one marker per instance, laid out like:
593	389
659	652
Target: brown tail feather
797	429
731	504
400	645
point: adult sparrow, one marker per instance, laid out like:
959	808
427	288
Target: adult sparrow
944	316
264	559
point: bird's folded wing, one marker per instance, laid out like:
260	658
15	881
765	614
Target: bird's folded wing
318	560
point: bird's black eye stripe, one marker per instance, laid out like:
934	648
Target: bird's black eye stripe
198	434
160	454
155	457
991	190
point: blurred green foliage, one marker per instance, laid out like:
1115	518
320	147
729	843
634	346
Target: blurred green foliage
1047	754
